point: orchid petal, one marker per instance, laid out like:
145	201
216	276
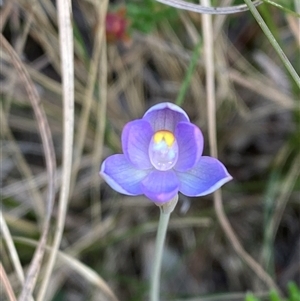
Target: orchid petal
205	177
165	116
136	138
122	176
190	144
160	186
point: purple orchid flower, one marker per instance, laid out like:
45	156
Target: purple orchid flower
163	156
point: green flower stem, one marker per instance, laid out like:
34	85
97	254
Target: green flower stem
160	240
273	41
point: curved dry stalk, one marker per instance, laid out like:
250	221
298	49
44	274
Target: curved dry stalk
219	10
50	165
211	113
66	49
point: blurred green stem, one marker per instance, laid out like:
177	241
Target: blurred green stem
188	76
273	41
159	246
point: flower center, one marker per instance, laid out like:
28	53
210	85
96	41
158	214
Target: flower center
163	150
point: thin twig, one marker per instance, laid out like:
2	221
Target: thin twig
211	112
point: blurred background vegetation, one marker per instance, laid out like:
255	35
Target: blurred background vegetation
148	52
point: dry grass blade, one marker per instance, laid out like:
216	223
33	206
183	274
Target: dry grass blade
211	113
264	27
6	284
86	272
294	24
99	138
97	231
36	196
269	91
208	41
66	49
285	192
50	164
208	10
11	249
5	12
254	265
239	296
87	106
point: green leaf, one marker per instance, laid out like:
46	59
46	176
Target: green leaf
294	292
251	297
274	296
